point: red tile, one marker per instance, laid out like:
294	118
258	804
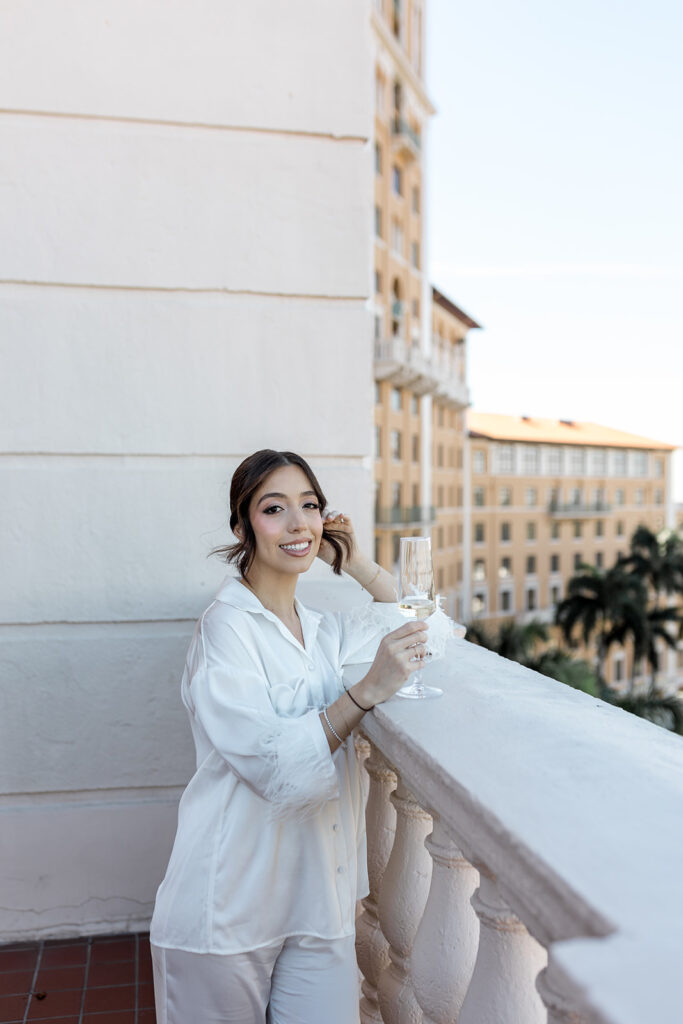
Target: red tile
123	1017
113	950
145	972
117	973
59	1003
51	978
64	956
145	995
13	982
12	1008
18	959
121	997
147	1017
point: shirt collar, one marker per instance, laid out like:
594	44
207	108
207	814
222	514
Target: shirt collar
235	594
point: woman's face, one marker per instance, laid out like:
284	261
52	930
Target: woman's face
286	520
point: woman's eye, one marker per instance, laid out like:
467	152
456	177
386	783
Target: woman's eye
271	510
312	504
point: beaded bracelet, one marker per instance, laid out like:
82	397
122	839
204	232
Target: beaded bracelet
331	727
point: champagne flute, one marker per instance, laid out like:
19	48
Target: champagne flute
416	600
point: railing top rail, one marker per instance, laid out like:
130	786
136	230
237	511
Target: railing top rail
575	806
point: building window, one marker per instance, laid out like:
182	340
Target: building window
396	399
578	528
379	92
479	533
378	550
439	538
554	595
619	496
397	237
396	445
506	496
505	570
598	462
505	532
599	559
378	393
479	497
553	461
378	158
397	180
414	405
531	531
479	461
505	458
530	496
576	496
639	462
620	528
395	547
415	308
378	283
505	601
577	461
439	455
554	563
415	448
659	497
396	494
555	530
479	572
659	467
620	463
618	670
416	199
640	496
599	528
378	441
530	565
531	459
415	255
531	599
378	222
479	604
578	561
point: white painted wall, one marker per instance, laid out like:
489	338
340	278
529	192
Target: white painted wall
185	210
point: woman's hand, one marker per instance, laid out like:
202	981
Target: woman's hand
398	656
338	522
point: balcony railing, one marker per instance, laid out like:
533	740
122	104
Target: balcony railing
406	365
524	855
410	515
406	139
577	509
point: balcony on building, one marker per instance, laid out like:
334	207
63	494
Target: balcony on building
577	509
524	854
412	516
406	141
404	364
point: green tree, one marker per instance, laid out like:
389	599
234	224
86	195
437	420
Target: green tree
657	560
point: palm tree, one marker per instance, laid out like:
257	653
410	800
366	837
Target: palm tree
513	640
607	606
656	621
657	559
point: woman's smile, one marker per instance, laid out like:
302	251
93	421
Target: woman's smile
297	548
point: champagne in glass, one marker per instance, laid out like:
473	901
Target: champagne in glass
416	600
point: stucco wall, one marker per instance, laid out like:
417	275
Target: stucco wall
185	212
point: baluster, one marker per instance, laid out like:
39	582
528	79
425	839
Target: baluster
557	997
446	943
372	949
502	990
401	903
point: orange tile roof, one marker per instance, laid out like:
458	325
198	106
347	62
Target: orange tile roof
540	431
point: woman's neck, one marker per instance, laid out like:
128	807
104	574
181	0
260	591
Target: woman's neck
275	592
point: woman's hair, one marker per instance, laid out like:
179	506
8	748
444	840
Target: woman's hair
246	480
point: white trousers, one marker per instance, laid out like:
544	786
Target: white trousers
299	980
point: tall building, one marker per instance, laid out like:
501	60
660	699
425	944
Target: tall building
420	335
549	496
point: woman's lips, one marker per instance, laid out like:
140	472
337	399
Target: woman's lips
299	549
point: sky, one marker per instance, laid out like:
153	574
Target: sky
555	205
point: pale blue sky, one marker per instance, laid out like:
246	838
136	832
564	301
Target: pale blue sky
555	184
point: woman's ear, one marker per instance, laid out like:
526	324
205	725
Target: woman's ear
239	531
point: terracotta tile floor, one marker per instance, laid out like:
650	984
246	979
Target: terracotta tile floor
104	979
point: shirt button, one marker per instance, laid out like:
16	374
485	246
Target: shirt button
335	827
340	870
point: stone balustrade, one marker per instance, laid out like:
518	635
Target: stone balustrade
524	848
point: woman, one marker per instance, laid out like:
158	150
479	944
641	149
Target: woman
254	920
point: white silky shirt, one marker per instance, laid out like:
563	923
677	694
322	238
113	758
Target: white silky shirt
271	828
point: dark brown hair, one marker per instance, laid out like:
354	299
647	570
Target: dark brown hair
246	480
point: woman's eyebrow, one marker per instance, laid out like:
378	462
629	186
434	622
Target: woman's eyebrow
276	494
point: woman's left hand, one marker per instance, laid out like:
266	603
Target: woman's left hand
338	522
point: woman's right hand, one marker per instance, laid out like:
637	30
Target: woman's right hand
396	659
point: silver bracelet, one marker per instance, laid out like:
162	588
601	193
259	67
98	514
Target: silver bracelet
331	727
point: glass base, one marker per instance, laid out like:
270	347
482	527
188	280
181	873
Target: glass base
418	691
